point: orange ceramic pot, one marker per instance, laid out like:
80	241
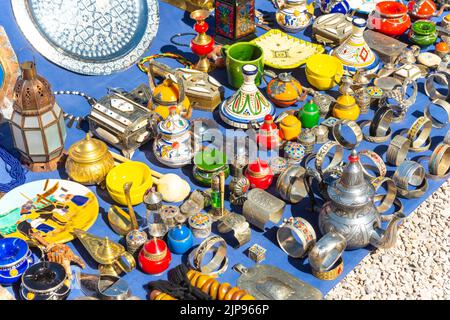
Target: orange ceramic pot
390	18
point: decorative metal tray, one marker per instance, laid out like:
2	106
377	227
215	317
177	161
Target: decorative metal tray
92	37
282	51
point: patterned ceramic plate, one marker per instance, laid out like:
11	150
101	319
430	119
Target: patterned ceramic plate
93	37
282	51
63	206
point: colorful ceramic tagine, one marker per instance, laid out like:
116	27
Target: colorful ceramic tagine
154	257
259	174
247	106
390	18
284	90
180	239
424	9
207	163
309	115
293	15
334	6
355	53
15	258
89	161
423	33
351	211
173	147
290	128
268	137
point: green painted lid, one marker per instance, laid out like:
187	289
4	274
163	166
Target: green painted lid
210	160
424	27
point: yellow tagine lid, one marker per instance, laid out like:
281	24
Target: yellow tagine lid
290	121
346	100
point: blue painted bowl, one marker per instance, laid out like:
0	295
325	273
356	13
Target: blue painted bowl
180	239
15	258
334	6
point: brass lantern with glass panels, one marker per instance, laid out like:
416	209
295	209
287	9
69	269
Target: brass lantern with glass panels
37	122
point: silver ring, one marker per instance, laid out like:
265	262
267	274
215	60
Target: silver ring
327	251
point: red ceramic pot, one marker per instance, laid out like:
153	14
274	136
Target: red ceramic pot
268	137
154	257
259	174
422	9
390	18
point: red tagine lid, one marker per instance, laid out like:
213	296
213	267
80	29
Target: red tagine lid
155	249
259	168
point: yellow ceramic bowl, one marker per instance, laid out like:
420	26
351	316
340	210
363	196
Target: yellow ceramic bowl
136	172
323	71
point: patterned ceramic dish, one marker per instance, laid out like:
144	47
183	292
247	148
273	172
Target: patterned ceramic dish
87	36
51	207
282	51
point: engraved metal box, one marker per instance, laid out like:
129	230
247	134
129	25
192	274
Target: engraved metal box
122	120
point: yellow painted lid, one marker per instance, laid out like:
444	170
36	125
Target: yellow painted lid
290	121
346	100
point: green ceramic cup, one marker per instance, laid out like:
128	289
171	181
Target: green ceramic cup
239	54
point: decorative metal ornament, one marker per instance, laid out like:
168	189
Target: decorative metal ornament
87	36
37	122
332	28
266	282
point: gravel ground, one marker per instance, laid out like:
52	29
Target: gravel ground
417	268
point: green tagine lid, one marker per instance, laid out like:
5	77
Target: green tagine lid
210	160
424	28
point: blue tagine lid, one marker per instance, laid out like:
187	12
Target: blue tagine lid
180	233
12	250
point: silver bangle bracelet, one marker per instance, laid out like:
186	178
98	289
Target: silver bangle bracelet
296	247
327	251
442	104
430	89
397	150
409	173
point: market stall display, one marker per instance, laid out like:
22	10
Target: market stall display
300	201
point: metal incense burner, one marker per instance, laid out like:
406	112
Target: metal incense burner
352	213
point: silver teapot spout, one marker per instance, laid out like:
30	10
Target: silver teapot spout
386	238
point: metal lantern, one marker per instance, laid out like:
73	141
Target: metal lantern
37	122
235	20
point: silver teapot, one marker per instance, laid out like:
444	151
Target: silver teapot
351	211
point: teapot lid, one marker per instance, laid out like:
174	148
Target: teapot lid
352	188
88	150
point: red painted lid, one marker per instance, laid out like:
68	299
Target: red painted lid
259	168
155	246
268	124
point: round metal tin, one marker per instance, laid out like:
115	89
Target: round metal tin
88	36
